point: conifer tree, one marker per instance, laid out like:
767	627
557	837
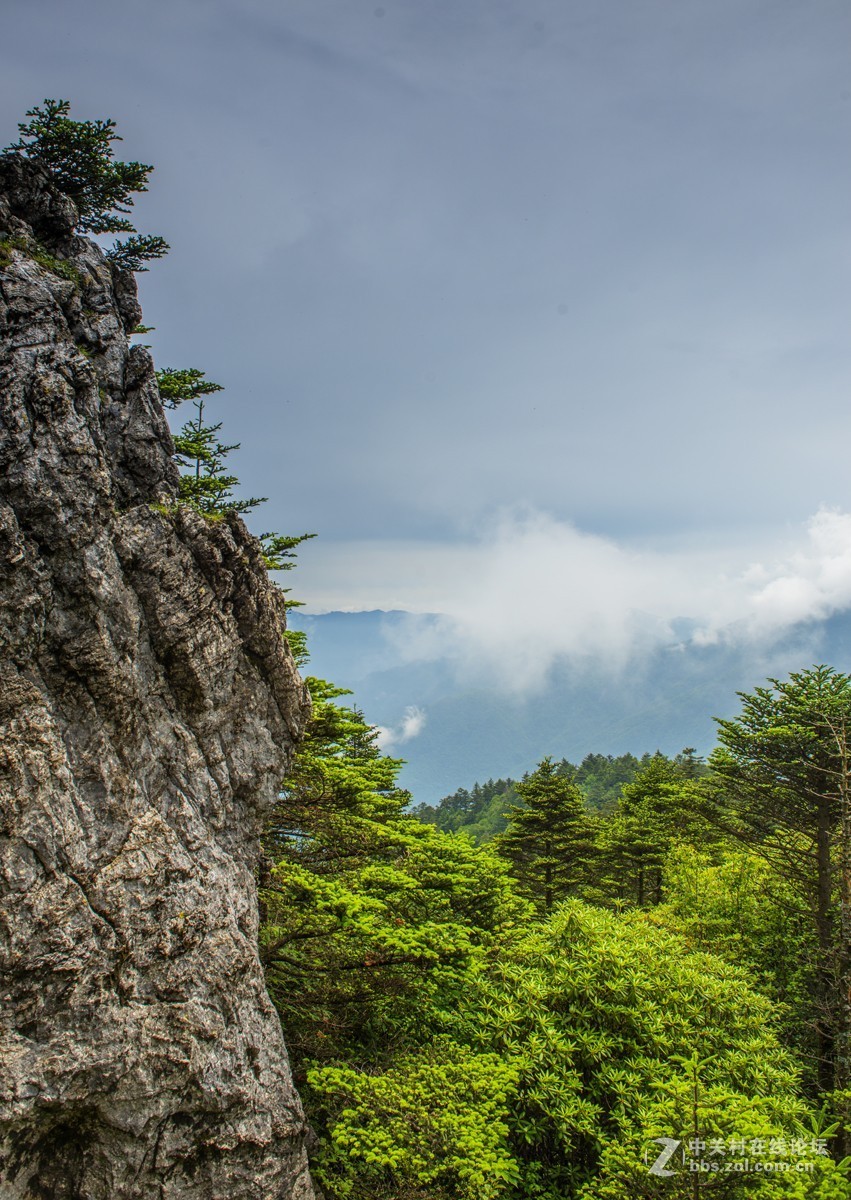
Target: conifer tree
781	783
205	483
186	383
549	840
654	812
81	161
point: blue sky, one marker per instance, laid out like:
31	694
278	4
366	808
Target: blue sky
557	284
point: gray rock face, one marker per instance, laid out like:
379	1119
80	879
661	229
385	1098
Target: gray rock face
148	705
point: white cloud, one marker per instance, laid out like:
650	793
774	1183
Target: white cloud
816	580
531	590
411	726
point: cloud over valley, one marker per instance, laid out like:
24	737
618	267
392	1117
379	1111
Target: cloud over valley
530	591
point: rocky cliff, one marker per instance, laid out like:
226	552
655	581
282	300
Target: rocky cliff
148	704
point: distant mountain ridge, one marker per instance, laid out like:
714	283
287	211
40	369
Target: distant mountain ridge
664	700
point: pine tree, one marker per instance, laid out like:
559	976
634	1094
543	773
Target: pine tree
549	840
781	782
182	384
81	162
654	811
206	483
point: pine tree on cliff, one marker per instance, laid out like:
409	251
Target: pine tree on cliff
205	482
80	158
82	164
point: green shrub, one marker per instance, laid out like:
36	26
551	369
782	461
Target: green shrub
434	1126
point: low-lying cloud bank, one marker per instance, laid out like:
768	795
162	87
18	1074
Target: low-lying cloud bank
532	591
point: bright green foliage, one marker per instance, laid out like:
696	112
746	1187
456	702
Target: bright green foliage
594	1007
339	776
782	784
80	158
725	1135
372	918
372	922
176	386
732	903
654	811
432	1125
365	960
447	1046
838	1109
549	840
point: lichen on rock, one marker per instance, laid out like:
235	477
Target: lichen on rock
148	708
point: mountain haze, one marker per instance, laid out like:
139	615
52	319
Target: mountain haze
664	698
